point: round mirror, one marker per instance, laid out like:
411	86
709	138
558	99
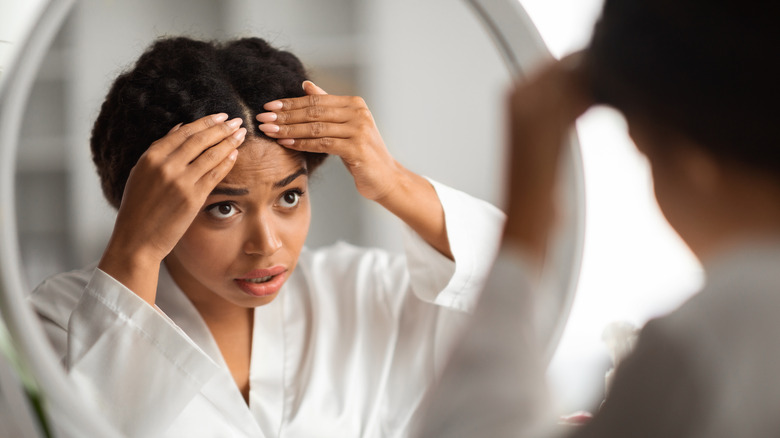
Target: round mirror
430	77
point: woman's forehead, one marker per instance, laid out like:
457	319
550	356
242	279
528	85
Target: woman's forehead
261	161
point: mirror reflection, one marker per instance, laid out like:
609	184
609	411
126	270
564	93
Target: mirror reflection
361	332
358	52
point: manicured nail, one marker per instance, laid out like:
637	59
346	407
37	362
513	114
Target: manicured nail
240	134
221	117
233	155
266	117
235	123
269	128
286	141
176	128
315	87
273	105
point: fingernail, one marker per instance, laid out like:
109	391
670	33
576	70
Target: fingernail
235	123
314	87
233	154
272	106
221	117
269	128
176	128
240	134
266	117
286	141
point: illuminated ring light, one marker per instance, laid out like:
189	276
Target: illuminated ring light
515	37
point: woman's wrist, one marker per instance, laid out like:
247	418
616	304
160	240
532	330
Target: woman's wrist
135	268
529	222
414	200
396	182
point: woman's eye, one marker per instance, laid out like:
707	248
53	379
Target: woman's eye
290	198
222	210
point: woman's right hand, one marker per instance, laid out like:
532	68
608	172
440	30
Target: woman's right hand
163	194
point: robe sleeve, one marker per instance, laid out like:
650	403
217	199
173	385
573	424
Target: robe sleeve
494	382
431	297
474	230
127	357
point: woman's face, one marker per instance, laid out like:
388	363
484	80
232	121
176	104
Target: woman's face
245	242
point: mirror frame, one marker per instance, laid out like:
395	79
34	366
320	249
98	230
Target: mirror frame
515	37
522	47
34	352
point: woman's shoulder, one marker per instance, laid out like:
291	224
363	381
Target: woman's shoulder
57	296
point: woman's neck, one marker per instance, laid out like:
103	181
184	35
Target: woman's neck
744	210
231	326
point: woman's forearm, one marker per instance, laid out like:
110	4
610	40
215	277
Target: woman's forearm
164	193
414	200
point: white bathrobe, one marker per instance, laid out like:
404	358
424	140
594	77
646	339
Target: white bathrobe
347	349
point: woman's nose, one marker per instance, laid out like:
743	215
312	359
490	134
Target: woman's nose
263	239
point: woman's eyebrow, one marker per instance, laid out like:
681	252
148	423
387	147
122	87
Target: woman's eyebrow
227	191
287	180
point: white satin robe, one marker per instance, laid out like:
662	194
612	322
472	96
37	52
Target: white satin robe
347	349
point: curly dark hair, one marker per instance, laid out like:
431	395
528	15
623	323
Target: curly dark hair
705	69
179	80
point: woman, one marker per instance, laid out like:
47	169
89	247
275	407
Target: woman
699	92
206	316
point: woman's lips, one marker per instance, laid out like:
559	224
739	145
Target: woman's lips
262	282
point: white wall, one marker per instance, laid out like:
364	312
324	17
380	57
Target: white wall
16	18
437	87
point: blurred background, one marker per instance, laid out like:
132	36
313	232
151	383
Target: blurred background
436	87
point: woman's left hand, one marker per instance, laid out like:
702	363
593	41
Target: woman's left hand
337	125
343	126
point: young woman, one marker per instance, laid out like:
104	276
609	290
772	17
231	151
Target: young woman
699	91
206	316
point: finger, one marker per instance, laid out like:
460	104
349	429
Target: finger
214	175
310	88
179	135
309	100
308	130
309	114
215	154
175	128
203	140
324	145
561	85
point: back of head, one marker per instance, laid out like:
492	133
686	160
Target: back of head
705	69
179	80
